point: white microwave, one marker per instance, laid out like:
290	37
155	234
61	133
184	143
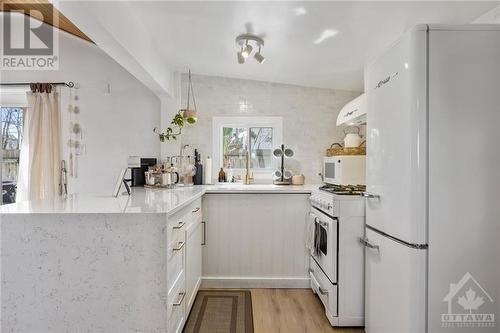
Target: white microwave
345	170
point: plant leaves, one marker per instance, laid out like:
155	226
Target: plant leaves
178	122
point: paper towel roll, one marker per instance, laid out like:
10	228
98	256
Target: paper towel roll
207	177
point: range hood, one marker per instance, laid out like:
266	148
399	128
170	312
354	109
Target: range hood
354	112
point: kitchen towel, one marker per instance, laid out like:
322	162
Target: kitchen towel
310	232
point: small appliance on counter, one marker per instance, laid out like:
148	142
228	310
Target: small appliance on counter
344	169
138	167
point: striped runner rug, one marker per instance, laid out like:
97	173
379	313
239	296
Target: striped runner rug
221	311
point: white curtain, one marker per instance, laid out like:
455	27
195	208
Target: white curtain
39	161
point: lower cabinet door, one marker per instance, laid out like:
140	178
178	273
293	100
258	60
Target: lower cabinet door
394	286
176	302
193	262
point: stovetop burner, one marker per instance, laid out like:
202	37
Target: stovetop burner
344	189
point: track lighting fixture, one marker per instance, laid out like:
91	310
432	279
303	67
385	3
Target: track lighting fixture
259	57
247	50
241	58
244	43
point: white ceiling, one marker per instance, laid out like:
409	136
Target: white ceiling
200	35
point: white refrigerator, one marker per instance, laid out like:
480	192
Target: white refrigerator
433	182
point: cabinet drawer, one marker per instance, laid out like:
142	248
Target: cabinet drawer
327	291
176	306
195	211
179	221
175	261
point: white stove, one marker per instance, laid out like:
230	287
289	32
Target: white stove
337	258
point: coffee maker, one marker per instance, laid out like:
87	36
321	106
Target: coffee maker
137	173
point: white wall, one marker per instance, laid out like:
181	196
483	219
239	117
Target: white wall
108	24
169	107
309	114
490	17
115	126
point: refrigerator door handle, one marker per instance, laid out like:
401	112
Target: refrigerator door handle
369	195
366	243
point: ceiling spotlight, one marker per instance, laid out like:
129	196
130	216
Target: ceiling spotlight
259	57
246	44
248	49
241	58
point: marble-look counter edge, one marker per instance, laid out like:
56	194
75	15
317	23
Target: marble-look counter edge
142	200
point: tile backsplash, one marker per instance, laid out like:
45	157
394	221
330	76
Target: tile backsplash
309	114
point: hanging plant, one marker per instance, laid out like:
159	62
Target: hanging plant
181	118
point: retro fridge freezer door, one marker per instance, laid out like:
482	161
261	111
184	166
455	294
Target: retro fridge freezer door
395	286
396	162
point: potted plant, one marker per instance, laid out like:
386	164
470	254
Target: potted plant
184	117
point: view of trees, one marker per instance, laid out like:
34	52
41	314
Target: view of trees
236	141
12	128
12	135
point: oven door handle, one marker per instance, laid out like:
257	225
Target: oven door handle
321	223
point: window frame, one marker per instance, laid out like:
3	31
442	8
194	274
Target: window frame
218	123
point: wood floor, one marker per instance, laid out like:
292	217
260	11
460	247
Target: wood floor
291	311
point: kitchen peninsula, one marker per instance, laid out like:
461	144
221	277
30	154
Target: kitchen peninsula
104	264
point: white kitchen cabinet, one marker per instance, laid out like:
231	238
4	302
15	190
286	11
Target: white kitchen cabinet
193	261
183	263
255	240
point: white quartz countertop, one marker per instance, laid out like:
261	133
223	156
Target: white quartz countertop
258	188
143	200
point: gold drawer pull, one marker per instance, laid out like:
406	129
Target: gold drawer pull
195	210
181	300
181	245
179	225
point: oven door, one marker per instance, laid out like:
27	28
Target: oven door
325	243
331	170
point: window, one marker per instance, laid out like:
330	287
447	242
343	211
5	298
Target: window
236	142
12	134
234	137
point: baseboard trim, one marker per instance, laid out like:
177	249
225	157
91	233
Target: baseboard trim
254	282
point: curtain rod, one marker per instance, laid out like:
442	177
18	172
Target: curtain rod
69	84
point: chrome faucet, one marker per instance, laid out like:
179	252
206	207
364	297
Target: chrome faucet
63	179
